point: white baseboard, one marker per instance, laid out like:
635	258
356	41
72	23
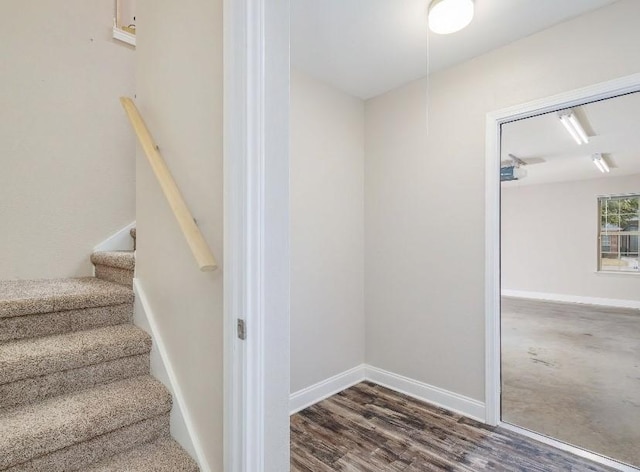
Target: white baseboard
592	456
182	428
557	297
311	395
119	241
428	393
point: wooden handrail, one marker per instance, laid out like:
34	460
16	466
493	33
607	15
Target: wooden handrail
204	257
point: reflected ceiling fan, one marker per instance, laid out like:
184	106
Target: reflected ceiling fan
513	168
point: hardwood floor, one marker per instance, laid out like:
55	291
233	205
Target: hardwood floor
369	428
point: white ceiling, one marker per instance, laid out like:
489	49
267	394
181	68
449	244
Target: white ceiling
367	47
613	126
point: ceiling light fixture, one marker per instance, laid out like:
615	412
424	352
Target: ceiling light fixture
600	163
570	121
449	16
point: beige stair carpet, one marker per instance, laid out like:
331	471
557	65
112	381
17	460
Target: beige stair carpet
30	297
115	266
101	448
34	430
75	390
45	324
163	455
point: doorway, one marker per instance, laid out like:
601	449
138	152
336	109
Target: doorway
541	340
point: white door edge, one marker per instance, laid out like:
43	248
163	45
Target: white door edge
601	91
234	234
256	252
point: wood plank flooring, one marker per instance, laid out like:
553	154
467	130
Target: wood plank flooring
369	428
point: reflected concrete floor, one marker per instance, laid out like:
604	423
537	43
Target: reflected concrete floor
572	372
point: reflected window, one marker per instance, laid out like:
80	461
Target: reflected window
619	234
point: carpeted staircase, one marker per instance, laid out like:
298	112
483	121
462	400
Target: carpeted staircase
75	389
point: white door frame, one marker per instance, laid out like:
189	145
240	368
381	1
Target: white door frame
256	228
494	121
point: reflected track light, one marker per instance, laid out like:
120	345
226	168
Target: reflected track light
600	163
573	126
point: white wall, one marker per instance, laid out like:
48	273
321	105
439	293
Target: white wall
127	12
327	231
179	84
424	191
68	169
550	239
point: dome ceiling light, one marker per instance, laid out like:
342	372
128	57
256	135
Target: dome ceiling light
449	16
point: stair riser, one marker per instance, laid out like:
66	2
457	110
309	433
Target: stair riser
40	388
115	275
122	259
80	456
22	327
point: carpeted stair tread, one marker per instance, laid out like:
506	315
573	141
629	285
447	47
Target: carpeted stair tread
30	297
82	455
120	259
58	322
163	455
31	431
27	358
23	392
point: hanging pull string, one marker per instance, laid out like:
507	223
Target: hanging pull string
427	81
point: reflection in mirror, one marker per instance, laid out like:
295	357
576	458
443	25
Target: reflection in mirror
570	206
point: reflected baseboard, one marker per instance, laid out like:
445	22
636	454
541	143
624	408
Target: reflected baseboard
600	459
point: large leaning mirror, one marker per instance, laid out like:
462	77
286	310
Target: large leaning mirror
570	342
